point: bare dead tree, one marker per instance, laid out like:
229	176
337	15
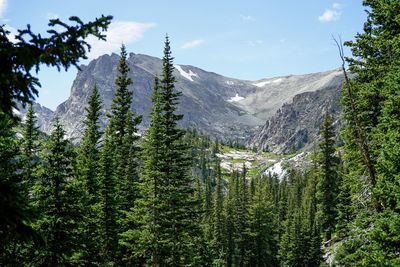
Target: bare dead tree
361	137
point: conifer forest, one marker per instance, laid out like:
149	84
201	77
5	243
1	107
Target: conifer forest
162	198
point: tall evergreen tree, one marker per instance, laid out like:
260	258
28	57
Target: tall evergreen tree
218	229
15	225
292	251
230	219
88	164
328	181
167	205
373	237
122	99
144	241
119	163
108	202
261	230
241	201
29	149
311	227
123	134
56	195
88	156
130	143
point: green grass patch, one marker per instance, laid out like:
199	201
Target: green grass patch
235	161
253	172
271	155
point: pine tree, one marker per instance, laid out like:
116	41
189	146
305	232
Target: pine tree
383	243
241	201
144	241
88	156
292	251
15	211
56	196
28	159
29	149
119	163
167	208
282	206
178	218
123	134
261	230
311	228
108	202
372	238
236	219
122	99
130	143
345	209
230	219
328	183
218	229
88	164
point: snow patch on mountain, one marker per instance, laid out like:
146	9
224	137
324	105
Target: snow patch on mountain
264	83
280	171
187	75
236	98
230	82
276	169
298	157
16	112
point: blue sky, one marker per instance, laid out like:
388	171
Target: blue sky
250	39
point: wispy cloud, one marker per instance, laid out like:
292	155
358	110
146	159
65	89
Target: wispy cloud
118	33
331	14
192	44
3	6
247	18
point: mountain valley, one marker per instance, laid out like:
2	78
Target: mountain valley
249	112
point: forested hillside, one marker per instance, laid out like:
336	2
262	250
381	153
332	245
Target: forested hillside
174	197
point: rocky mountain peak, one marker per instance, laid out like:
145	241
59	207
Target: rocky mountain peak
219	106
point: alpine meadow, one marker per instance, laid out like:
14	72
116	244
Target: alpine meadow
152	163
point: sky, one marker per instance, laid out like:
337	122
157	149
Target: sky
244	39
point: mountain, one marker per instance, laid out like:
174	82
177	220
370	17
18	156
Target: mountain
219	106
43	115
296	124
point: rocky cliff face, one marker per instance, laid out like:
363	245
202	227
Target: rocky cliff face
222	107
296	125
43	115
203	103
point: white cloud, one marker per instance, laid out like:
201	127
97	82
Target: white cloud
192	44
3	6
118	33
331	14
247	18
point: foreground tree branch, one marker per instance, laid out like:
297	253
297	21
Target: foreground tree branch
29	50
